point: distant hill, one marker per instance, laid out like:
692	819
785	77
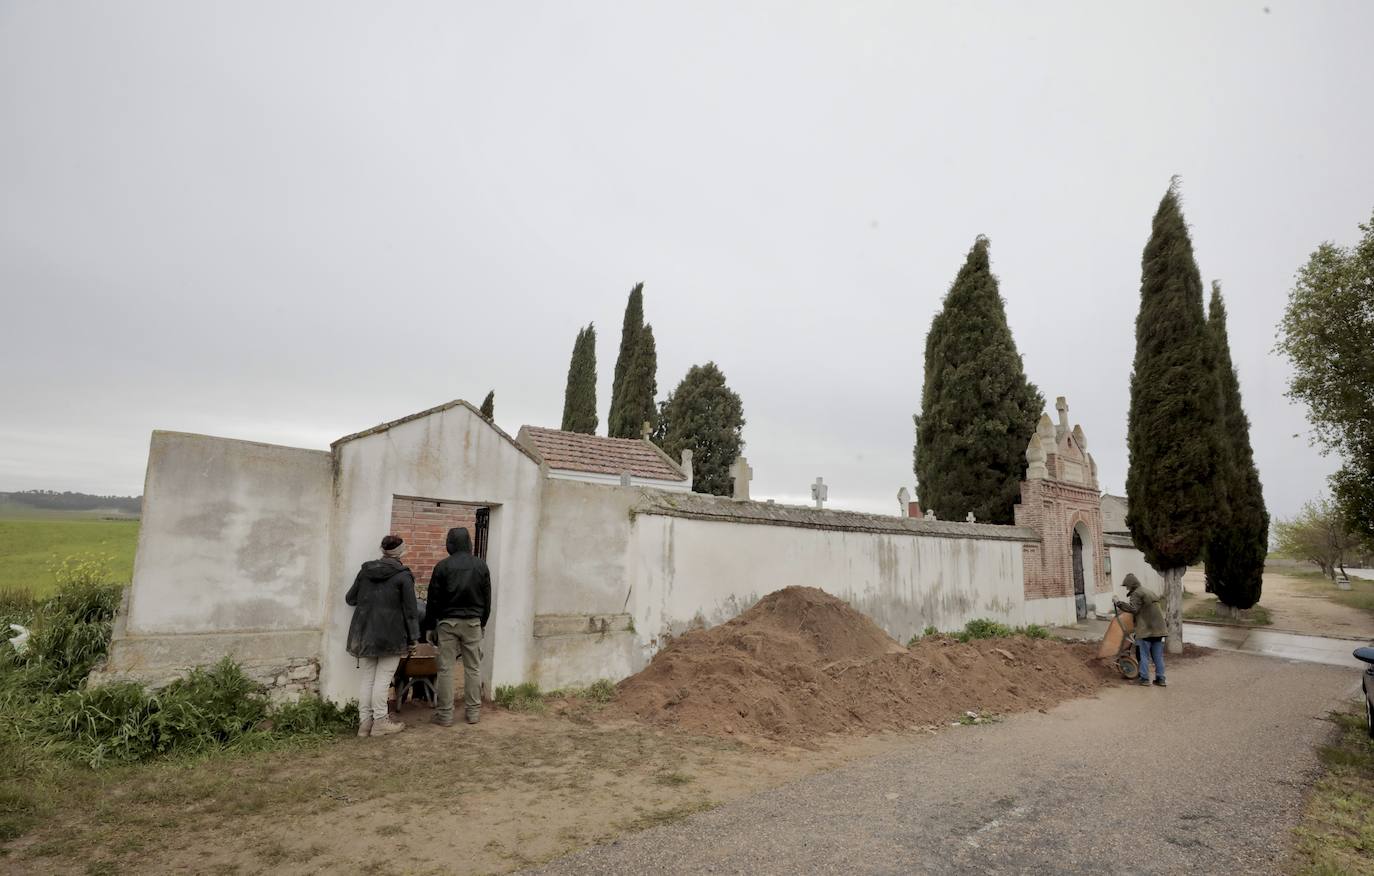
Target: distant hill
51	501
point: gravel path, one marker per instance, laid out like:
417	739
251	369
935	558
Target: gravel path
1231	744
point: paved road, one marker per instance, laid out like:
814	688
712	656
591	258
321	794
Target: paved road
1230	750
1332	650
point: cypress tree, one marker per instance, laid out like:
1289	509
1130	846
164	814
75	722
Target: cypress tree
630	332
579	399
1236	551
489	405
1173	432
637	389
978	410
707	417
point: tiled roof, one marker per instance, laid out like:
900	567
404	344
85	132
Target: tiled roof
574	451
698	506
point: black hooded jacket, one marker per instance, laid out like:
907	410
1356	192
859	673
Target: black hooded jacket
460	586
386	618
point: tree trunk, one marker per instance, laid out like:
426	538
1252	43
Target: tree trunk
1173	607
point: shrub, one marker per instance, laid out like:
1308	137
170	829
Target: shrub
601	691
524	697
982	628
1035	631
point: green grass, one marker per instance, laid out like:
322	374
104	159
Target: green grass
1359	596
1204	608
1337	830
30	548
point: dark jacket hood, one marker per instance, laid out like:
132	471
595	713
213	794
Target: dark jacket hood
458	541
381	570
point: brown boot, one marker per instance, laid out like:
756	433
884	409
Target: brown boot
387	727
364	728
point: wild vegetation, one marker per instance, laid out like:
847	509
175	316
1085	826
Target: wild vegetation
1336	834
55	724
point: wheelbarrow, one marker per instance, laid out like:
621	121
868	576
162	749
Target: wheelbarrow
1118	645
415	676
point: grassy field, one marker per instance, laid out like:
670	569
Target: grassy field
1337	830
1360	595
30	547
1203	607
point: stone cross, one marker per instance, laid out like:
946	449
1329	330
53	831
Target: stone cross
645	430
1062	406
904	502
970	518
930	515
687	467
742	474
820	492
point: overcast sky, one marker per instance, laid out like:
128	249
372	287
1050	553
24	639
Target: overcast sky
290	222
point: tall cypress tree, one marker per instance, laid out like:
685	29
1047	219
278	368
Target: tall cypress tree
579	399
489	405
630	332
1176	479
637	390
1236	551
707	417
978	410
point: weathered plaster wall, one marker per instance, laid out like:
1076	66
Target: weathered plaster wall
448	454
1127	560
234	537
688	572
584	539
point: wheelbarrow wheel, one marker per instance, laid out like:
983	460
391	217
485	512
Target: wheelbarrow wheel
1127	666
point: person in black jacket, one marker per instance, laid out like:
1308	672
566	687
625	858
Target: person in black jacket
385	626
457	609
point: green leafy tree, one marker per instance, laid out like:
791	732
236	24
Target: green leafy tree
707	417
637	390
579	399
630	333
978	410
1235	554
1328	333
1176	480
489	405
1319	534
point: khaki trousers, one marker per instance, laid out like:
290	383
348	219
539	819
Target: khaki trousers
459	636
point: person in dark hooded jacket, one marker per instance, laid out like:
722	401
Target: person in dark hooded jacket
457	609
385	627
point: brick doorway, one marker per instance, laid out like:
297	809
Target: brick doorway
424	524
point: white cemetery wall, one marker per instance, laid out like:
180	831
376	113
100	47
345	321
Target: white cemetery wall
232	553
233	537
1130	561
697	572
450	454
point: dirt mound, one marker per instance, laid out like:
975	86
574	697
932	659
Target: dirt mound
802	663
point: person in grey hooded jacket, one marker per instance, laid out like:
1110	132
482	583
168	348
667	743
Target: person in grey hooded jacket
457	609
385	627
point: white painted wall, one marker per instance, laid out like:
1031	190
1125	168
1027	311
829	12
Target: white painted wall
687	571
1130	561
234	538
452	455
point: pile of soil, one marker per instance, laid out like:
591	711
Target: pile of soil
801	664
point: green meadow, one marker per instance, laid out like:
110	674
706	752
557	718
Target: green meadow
31	545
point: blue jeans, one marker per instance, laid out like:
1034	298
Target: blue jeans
1151	651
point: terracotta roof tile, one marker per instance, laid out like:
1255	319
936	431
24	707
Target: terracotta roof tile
575	451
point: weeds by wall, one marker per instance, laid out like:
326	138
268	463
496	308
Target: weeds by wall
52	722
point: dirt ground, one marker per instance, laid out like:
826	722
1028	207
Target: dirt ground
1293	605
798	685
